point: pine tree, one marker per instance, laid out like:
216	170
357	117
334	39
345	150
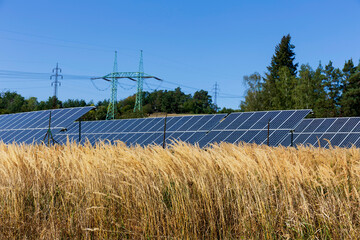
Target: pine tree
333	86
284	57
350	100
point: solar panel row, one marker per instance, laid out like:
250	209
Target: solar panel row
342	132
201	129
31	127
251	127
143	131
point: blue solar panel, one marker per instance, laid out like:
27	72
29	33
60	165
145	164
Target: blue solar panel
324	126
185	136
31	127
252	120
227	121
158	126
176	125
312	125
221	136
300	138
208	138
198	128
209	125
314	139
265	119
236	122
350	125
247	127
339	123
148	124
259	138
201	122
294	119
324	140
153	138
303	124
318	132
337	139
281	118
248	136
234	136
140	124
171	121
350	140
192	120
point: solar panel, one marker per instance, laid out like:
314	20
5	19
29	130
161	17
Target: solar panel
251	127
29	127
143	131
323	132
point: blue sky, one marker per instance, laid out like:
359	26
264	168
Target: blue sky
192	43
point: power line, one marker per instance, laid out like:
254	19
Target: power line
38	75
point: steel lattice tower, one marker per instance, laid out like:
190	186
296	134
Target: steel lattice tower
133	76
56	83
140	78
114	82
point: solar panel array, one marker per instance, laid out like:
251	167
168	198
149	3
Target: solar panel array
31	127
249	127
342	132
143	131
252	127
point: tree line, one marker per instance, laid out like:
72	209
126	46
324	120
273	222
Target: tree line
329	91
166	101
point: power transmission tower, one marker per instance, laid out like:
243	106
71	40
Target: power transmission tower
216	93
114	82
133	76
139	97
56	83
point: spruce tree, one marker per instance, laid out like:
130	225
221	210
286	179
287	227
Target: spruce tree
350	100
333	86
284	57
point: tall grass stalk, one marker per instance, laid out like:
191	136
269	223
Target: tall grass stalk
223	192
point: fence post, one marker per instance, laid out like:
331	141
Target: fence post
164	131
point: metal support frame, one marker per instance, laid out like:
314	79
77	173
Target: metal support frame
268	133
79	131
292	137
164	144
48	134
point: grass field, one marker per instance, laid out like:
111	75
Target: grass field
226	192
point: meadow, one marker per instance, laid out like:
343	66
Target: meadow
183	192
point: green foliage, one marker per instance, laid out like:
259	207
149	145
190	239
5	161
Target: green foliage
329	91
350	100
174	101
254	97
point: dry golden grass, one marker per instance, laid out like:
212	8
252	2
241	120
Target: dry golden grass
225	192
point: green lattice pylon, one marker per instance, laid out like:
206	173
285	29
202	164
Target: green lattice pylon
139	92
114	82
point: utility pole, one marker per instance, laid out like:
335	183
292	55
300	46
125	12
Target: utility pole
56	83
216	93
